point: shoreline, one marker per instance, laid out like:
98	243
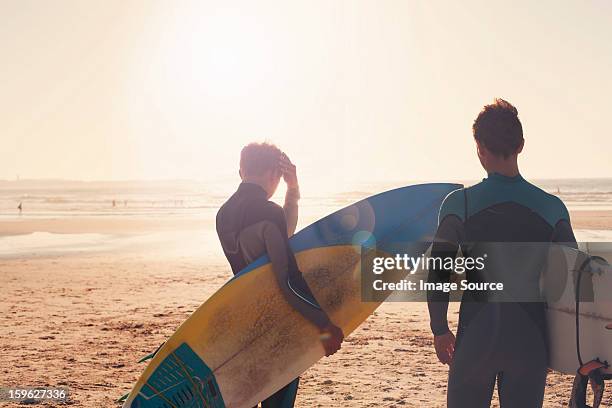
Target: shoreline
581	219
102	225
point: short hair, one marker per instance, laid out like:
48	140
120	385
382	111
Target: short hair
498	128
257	158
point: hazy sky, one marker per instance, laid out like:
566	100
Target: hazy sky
351	90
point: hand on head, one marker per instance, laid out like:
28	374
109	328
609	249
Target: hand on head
288	171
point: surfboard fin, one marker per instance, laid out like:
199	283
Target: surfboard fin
150	356
123	397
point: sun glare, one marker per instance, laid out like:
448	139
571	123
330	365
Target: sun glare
204	70
225	55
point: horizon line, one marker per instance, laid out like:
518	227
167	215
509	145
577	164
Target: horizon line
224	179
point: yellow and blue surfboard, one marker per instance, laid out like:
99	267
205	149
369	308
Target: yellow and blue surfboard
246	342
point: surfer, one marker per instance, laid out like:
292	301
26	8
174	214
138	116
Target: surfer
249	225
503	342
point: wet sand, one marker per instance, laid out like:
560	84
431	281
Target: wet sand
83	319
102	225
588	219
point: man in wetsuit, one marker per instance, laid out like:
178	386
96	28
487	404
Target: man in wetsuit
249	225
503	341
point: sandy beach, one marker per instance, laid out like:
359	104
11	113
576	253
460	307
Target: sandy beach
83	318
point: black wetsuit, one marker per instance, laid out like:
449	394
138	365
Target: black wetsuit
249	226
498	340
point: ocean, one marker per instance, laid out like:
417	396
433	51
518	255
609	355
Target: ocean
58	198
195	203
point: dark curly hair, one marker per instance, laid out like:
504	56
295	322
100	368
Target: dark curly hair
498	128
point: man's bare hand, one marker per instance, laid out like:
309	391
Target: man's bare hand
288	171
331	337
445	347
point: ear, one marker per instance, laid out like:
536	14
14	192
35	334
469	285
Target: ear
479	149
520	148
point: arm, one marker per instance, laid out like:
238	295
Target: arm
449	236
276	247
564	234
562	231
446	243
292	196
291	208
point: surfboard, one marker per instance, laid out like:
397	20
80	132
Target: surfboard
588	331
246	342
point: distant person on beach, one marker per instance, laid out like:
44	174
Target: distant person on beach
20	207
504	341
249	225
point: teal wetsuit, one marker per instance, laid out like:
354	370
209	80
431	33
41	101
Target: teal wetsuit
503	341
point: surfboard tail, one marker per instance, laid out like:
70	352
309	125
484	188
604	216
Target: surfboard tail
182	380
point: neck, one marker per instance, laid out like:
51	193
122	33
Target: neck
256	180
508	167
